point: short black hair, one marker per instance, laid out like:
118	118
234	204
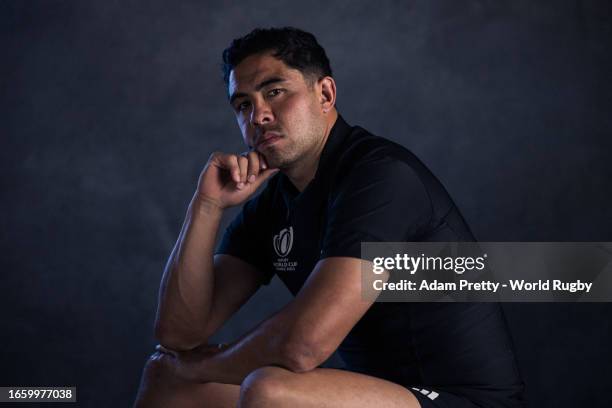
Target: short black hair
296	48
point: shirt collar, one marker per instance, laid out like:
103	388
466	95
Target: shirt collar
332	148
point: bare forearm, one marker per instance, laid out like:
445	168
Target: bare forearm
269	344
186	289
305	332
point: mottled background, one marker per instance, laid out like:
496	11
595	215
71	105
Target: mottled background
109	110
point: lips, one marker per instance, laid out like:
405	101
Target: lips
267	139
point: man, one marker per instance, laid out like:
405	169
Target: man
330	187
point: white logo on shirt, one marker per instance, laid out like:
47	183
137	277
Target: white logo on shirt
283	242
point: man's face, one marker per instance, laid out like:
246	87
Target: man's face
277	109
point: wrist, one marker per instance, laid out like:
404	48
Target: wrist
207	205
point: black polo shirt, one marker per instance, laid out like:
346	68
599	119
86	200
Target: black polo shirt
368	188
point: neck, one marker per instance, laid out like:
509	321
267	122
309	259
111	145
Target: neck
304	171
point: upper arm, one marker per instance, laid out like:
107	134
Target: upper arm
235	282
239	265
381	200
327	307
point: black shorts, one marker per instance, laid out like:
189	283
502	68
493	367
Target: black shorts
441	399
446	354
431	398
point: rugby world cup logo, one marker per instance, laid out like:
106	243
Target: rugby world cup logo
283	242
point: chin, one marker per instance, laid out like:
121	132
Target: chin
276	164
276	159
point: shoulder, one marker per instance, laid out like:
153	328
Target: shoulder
369	159
376	195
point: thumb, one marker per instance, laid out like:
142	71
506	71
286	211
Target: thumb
263	176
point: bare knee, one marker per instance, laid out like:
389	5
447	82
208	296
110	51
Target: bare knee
152	372
155	371
155	377
265	387
161	388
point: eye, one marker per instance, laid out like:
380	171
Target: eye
274	92
242	106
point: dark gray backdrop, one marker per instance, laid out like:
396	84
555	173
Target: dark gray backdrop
109	110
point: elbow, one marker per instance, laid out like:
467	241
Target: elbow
302	355
176	340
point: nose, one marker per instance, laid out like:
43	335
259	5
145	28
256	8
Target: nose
261	114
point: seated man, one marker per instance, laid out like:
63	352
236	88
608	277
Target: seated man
330	187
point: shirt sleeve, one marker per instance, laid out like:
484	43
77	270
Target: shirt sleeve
382	200
243	239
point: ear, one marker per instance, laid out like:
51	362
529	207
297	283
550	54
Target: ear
327	95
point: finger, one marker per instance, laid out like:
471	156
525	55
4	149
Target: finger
243	164
263	164
263	176
253	170
229	162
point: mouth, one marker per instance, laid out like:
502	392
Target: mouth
267	139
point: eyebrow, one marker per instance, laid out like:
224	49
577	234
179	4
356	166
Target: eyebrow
261	85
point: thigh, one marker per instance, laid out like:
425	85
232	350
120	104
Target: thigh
322	387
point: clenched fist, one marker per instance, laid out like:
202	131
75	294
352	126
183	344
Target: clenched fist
230	179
